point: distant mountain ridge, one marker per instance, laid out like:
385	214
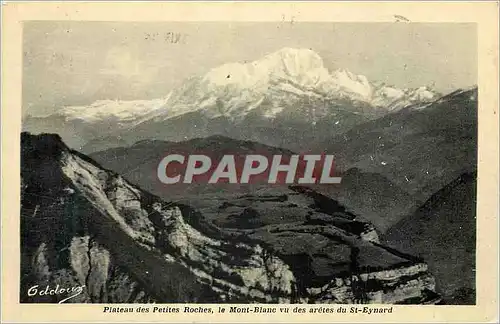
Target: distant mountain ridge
372	196
443	231
419	148
287	88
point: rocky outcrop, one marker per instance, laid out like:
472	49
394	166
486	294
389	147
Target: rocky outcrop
86	226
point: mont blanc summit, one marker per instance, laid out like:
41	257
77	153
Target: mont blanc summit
288	87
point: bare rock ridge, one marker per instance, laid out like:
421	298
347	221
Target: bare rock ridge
84	225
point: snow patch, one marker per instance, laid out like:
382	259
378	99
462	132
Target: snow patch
115	109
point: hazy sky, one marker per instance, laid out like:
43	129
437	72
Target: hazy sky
75	63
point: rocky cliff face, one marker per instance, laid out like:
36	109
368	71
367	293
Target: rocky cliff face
82	225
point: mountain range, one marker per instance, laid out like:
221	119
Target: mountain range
282	99
390	167
420	149
83	225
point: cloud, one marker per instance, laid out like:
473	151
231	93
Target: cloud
119	62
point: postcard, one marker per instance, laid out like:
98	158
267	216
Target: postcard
250	162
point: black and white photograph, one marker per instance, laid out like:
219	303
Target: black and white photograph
238	162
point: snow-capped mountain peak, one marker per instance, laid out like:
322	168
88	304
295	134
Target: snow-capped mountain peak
423	93
287	86
300	65
232	90
356	85
392	98
293	62
284	78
